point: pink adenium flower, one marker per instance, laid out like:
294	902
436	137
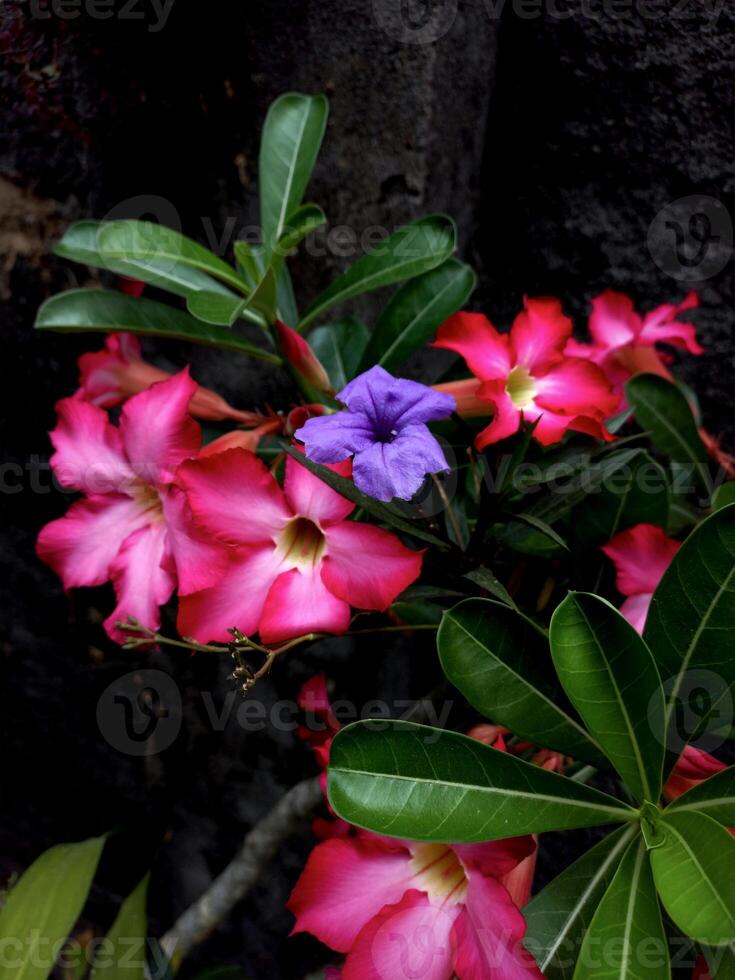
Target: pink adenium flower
641	555
625	343
693	767
132	526
295	563
527	374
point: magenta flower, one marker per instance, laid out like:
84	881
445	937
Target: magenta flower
641	555
525	374
132	527
384	429
295	563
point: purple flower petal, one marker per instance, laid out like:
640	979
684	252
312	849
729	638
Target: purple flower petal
332	438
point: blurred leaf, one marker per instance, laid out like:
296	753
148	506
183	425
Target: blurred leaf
724	495
339	346
292	136
104	310
406	253
415	313
123	956
417	613
421	783
42	908
495	657
542	527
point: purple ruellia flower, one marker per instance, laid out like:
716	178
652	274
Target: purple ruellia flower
384	428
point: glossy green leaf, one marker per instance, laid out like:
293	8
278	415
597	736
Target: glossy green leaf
721	962
415	313
661	408
88	310
544	529
626	939
496	658
613	682
299	225
724	495
691	616
145	241
408	252
382	512
292	136
80	244
264	298
42	908
489	582
339	346
215	308
407	780
715	797
123	955
694	869
557	918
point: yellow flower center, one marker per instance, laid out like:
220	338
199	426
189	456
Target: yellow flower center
521	387
148	499
301	543
439	872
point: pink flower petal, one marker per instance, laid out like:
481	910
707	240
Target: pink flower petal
635	610
613	321
405	941
641	555
471	335
345	883
299	602
539	334
310	497
81	546
367	566
576	387
506	419
496	858
142	579
89	453
233	496
488	937
236	600
661	326
693	767
200	561
157	431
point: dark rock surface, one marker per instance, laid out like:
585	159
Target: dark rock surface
555	133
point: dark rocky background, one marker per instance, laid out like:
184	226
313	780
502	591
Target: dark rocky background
579	145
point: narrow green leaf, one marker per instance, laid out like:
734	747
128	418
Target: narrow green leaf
715	797
87	310
264	298
407	780
288	310
558	917
612	680
541	526
43	906
661	408
488	580
339	346
626	939
496	658
123	955
724	495
415	313
80	244
408	252
292	136
299	225
382	512
215	308
694	871
691	616
144	241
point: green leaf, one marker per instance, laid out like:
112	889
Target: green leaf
292	136
721	962
301	223
144	241
715	797
626	938
724	495
495	657
558	917
693	868
691	614
88	310
661	409
287	309
264	298
43	906
339	346
541	526
408	252
80	243
612	680
488	580
123	955
215	308
407	780
415	313
382	512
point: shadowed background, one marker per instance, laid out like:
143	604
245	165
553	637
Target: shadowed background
578	147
